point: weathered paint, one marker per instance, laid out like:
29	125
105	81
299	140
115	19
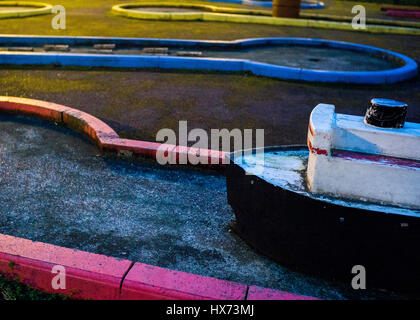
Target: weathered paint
149	283
88	275
351	159
98	277
351	133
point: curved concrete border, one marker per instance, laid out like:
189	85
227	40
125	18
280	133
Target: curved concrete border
269	4
94	276
224	14
406	71
39	9
125	10
102	134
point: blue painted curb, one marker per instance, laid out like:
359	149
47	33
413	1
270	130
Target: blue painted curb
269	4
406	71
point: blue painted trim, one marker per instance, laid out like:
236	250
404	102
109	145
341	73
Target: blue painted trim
406	71
269	4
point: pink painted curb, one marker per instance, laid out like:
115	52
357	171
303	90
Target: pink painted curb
103	135
88	275
99	277
149	283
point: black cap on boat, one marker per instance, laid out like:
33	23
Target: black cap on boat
386	113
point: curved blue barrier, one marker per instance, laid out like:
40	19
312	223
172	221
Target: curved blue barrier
269	4
407	70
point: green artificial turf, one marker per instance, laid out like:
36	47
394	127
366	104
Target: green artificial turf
94	18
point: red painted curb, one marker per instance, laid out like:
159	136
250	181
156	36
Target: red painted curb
94	276
88	275
398	8
103	135
147	282
45	110
403	14
98	277
89	125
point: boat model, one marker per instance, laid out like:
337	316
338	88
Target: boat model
350	197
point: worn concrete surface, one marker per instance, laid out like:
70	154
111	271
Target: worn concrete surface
309	58
56	187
